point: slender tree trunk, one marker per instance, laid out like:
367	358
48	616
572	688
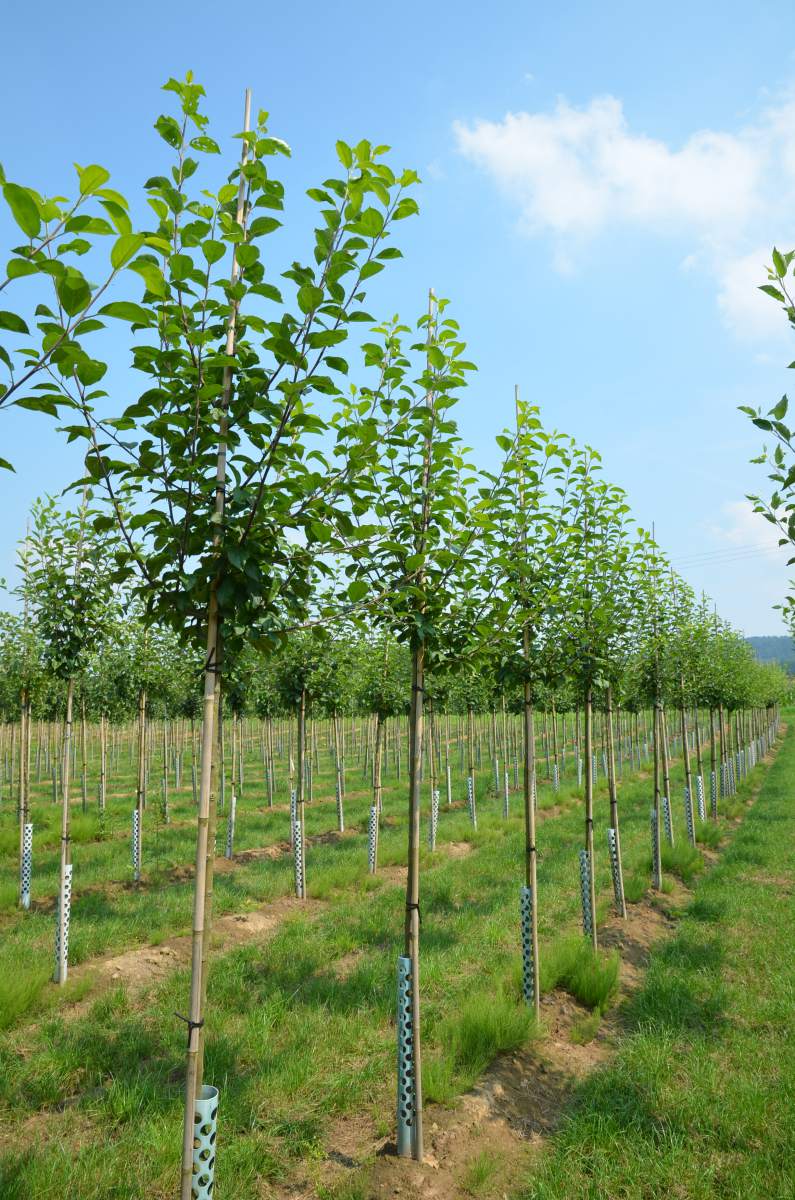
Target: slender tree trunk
300	790
589	807
688	772
657	749
665	761
66	850
24	783
140	792
103	761
83	754
200	927
209	866
699	759
530	849
412	922
613	792
202	915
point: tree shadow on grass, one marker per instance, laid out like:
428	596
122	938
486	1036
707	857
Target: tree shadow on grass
676	1003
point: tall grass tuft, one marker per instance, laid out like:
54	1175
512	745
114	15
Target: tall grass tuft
20	993
635	886
570	963
682	860
708	834
486	1026
480	1172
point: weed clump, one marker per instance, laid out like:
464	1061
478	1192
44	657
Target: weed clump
585	1029
485	1027
635	886
21	993
480	1172
682	860
708	834
571	964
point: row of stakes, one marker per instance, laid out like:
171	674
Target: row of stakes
728	785
731	770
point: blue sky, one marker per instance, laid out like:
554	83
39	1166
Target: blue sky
601	187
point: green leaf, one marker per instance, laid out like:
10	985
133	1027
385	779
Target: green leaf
263	225
38	404
180	266
152	276
91	178
772	291
345	154
114	196
125	310
357	590
213	251
247	255
124	248
407	207
326	337
779	264
205	144
780	411
90	370
309	297
24	209
169	131
73	291
5	465
370	223
9	320
268	291
20	266
118	215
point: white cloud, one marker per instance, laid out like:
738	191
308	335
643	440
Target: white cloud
742	565
574	173
742	527
749	312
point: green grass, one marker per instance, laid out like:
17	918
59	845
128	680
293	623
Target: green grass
486	1026
26	991
344	1189
480	1172
293	1044
585	1029
21	994
698	1102
636	885
681	859
570	963
708	833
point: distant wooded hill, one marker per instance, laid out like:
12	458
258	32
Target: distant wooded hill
775	649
